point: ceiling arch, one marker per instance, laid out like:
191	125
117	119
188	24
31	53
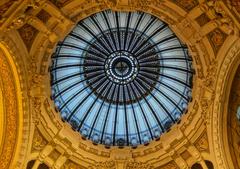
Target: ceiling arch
209	29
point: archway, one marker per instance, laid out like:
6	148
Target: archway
11	110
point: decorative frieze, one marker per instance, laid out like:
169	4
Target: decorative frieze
134	165
11	112
71	165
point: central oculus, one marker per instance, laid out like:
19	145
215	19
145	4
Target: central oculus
121	78
121	67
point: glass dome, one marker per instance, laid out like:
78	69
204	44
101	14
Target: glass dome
121	78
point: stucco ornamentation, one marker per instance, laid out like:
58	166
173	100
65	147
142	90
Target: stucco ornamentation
10	102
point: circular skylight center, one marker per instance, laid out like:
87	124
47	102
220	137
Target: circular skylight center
121	67
121	78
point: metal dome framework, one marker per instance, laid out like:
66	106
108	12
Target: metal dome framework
121	78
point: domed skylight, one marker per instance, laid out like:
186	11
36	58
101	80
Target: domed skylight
121	78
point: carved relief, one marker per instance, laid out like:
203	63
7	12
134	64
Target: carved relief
134	165
39	142
233	122
28	34
210	78
170	165
54	155
17	22
234	6
10	101
231	57
106	165
4	7
185	155
51	114
216	39
187	5
202	142
143	4
198	62
60	3
221	17
36	103
203	19
71	165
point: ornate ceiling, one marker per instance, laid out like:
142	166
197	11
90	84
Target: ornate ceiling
29	33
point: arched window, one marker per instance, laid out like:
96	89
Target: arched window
30	164
196	166
209	164
43	166
238	113
121	78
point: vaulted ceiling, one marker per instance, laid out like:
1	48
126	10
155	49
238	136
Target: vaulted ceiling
31	31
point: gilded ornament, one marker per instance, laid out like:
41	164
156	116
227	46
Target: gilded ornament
4	7
39	142
28	34
187	5
106	165
210	78
202	143
9	94
134	165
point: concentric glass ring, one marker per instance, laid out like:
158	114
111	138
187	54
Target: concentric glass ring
121	78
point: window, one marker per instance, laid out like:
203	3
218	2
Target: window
121	78
238	113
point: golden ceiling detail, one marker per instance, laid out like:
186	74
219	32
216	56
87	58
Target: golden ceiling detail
15	74
39	142
203	19
60	3
233	123
211	31
54	155
71	165
43	16
10	105
230	61
217	38
202	142
28	34
170	165
188	5
133	165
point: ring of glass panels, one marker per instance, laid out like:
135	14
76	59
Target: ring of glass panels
121	78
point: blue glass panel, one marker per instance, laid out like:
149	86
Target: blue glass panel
121	78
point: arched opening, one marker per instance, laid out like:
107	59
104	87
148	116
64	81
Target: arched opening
233	120
11	113
196	166
238	113
209	164
43	166
30	164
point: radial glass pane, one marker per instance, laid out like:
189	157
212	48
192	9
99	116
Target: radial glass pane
121	78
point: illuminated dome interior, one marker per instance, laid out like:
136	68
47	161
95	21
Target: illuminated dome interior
121	78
